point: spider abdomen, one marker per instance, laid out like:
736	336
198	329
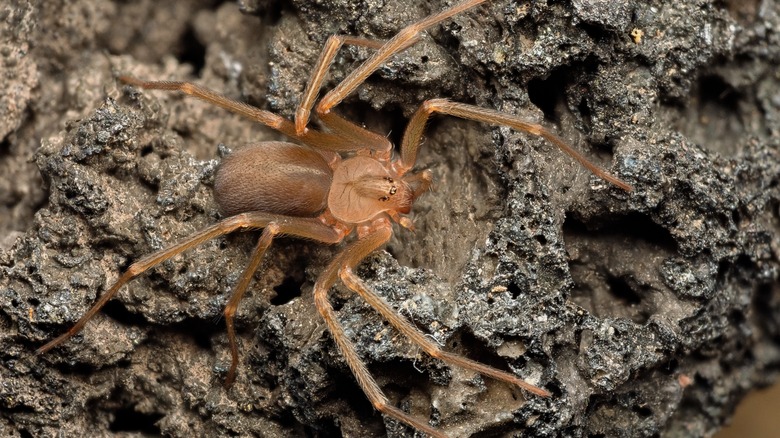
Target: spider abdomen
273	177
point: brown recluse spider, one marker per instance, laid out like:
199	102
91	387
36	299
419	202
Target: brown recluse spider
333	183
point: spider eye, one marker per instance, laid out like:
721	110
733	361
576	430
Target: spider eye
393	189
384	198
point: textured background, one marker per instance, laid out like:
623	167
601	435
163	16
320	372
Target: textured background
645	314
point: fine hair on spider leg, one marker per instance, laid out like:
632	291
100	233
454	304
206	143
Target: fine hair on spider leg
327	186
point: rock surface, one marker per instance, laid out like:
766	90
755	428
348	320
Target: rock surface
646	313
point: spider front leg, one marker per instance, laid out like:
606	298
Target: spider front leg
402	40
410	143
352	132
380	145
329	51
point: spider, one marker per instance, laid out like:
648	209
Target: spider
329	185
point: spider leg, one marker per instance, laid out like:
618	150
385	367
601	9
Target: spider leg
336	142
299	227
407	37
352	281
311	228
220	228
375	142
348	258
410	143
402	40
329	51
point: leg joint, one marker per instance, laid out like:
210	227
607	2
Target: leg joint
134	270
273	228
380	405
433	105
436	352
231	223
345	274
409	32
